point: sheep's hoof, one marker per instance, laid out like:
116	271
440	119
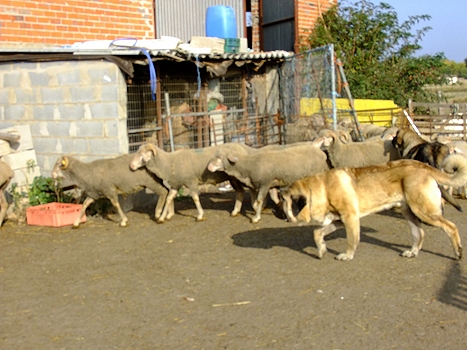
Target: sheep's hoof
200	219
232	214
74	227
160	221
123	224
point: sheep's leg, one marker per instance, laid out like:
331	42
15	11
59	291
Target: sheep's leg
195	196
170	211
253	195
87	202
263	191
238	203
274	194
240	194
161	200
116	204
169	205
3	206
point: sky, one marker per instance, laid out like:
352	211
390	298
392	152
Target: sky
448	22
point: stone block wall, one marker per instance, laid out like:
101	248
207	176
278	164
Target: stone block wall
72	107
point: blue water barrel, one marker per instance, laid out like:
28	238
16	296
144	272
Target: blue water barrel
221	22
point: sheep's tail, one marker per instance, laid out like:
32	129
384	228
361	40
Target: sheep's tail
455	168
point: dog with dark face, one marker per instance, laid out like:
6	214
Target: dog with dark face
344	195
411	146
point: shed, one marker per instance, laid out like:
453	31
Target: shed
99	102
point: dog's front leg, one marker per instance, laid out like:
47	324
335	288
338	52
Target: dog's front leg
352	230
319	235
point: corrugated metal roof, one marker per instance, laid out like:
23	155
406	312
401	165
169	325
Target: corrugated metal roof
178	55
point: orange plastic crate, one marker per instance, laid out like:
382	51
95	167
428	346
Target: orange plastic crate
53	214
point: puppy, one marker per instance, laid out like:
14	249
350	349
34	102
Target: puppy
347	194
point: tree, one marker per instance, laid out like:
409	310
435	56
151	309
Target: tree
452	68
378	52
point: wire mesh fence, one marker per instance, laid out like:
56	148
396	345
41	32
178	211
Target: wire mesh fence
186	116
308	84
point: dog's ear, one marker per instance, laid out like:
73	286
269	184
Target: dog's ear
305	213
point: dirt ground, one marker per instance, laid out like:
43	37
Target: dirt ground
225	283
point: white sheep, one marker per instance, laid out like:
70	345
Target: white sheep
357	154
6	174
107	178
185	167
267	168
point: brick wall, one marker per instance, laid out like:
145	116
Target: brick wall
308	13
58	22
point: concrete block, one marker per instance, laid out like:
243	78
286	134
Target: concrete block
70	77
109	93
14	112
106	110
39	79
24	177
43	112
75	145
90	129
59	129
82	94
71	111
12	79
25	97
215	44
4	147
25	141
100	146
18	160
52	95
4	96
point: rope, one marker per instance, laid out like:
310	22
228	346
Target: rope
152	70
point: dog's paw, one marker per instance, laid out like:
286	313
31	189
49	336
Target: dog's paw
409	254
321	252
344	257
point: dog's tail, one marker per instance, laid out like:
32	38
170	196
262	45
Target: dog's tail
455	166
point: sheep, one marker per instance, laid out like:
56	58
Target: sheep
459	147
6	174
268	168
368	131
357	154
186	167
107	178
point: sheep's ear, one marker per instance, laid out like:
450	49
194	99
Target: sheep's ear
64	162
232	159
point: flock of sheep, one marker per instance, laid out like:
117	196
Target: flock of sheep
261	171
